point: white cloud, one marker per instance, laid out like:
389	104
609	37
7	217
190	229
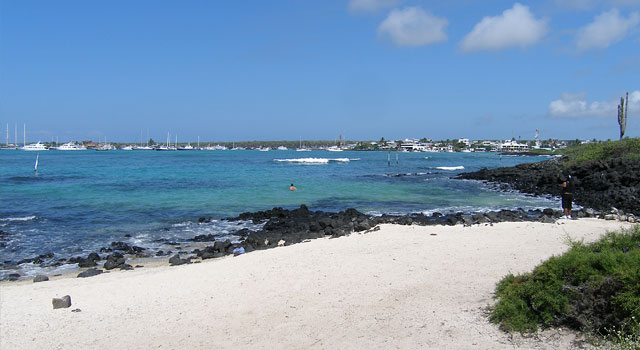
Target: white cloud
515	27
576	106
413	26
371	5
606	29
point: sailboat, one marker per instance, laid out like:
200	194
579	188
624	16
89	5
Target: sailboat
168	147
36	166
302	149
141	146
336	148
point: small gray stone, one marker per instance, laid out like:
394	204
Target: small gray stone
89	273
61	303
40	278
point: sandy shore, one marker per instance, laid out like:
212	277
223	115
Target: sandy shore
404	287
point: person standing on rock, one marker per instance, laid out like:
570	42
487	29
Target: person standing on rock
567	197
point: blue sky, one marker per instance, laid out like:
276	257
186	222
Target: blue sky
276	70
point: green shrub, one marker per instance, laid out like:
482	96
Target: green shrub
628	148
594	287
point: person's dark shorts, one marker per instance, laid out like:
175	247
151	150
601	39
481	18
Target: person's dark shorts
567	200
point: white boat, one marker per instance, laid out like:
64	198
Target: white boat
282	148
71	146
302	149
168	147
264	149
35	147
143	148
336	148
105	147
127	148
188	147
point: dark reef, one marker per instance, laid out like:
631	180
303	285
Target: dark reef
601	185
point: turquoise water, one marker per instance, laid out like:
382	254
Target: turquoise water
81	200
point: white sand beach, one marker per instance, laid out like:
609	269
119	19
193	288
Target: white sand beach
402	287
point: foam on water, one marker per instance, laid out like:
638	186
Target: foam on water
315	160
26	218
450	168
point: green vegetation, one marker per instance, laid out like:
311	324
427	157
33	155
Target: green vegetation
592	287
628	148
540	151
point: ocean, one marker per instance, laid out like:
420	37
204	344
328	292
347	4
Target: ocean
80	201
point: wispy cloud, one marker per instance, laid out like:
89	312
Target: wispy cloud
576	106
371	5
515	27
413	26
606	29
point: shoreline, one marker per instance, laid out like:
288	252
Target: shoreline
405	286
279	227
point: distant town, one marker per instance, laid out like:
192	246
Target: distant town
404	145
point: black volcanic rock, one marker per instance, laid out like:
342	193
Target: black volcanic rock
89	273
602	185
176	260
127	249
114	260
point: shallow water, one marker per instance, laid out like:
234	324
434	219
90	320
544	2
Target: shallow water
80	201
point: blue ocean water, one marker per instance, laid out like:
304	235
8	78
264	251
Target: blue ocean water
80	201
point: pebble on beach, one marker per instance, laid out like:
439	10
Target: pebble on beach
61	303
40	278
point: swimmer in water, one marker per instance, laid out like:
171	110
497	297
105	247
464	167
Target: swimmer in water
292	188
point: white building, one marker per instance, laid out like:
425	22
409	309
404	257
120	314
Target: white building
513	146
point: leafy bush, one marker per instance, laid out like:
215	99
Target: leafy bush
628	148
594	287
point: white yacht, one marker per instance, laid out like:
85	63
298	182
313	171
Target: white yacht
264	149
188	147
127	148
282	148
35	147
105	147
334	149
71	146
143	148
